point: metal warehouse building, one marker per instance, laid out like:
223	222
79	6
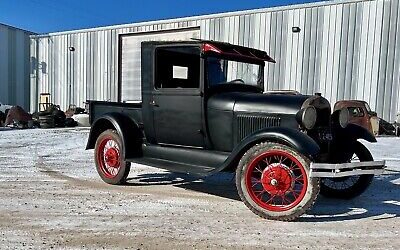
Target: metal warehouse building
14	66
346	49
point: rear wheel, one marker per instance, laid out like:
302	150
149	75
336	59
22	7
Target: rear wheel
273	181
350	186
108	158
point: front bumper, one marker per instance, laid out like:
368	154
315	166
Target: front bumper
329	170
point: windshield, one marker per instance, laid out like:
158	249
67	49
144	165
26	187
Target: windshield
367	107
223	71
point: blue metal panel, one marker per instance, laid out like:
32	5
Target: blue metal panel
14	66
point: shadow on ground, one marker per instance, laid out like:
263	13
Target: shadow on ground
381	200
222	184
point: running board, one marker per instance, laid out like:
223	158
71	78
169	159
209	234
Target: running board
181	159
329	170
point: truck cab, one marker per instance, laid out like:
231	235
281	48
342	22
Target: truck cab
179	83
204	110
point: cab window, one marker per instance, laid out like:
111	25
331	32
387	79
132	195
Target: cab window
178	67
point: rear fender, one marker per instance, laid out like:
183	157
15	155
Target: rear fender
127	129
286	136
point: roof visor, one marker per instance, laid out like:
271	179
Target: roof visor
235	51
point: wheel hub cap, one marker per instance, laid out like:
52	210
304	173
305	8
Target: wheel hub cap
111	157
277	179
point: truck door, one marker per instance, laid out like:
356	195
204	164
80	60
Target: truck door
176	98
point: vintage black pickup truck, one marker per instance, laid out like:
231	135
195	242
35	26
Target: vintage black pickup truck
204	110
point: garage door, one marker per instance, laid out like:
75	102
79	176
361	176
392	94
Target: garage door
130	67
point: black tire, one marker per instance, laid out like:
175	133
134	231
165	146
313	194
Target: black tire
352	186
117	173
268	182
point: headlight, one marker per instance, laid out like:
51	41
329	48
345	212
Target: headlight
307	117
344	117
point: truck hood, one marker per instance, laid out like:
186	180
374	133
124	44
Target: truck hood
257	102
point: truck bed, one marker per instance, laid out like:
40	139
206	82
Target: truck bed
99	108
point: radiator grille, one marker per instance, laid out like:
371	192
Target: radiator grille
248	124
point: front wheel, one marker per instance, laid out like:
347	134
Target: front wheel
108	158
273	181
350	186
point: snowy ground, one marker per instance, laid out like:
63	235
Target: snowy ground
52	197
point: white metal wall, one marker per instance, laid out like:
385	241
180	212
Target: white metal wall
346	49
91	69
14	66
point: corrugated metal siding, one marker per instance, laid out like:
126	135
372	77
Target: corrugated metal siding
345	50
88	73
14	66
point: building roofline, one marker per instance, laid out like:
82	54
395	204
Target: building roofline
15	28
207	16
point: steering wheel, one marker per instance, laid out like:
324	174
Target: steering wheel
237	81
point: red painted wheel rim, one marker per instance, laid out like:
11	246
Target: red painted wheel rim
108	156
276	180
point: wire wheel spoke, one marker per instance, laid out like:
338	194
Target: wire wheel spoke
256	183
258	169
294	193
292	166
270	199
259	193
266	160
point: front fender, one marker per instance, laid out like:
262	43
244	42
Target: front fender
345	140
127	129
353	132
287	136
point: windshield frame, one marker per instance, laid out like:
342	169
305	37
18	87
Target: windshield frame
260	63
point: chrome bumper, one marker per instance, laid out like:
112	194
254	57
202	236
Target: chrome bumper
346	169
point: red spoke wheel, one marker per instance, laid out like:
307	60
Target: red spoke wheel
108	157
273	181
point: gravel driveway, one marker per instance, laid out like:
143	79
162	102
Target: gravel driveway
52	197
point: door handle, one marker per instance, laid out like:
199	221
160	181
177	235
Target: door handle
153	103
